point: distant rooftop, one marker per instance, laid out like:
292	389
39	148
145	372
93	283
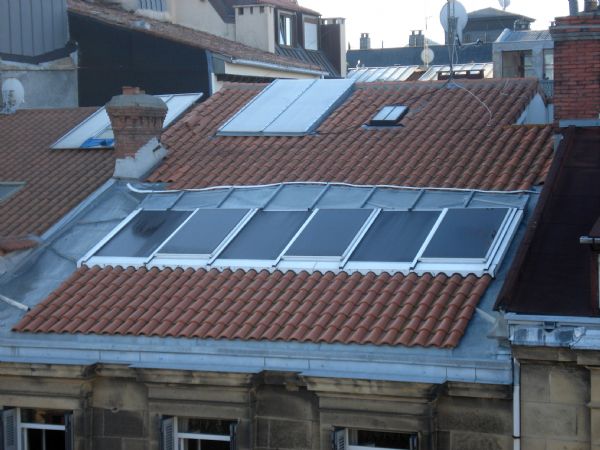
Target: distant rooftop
525	35
491	13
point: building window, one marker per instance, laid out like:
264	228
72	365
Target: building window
37	429
154	5
8	189
286	29
311	36
518	64
549	64
357	439
191	433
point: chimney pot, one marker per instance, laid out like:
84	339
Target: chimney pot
135	118
573	8
590	5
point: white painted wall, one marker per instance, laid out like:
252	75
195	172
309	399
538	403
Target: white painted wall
256	28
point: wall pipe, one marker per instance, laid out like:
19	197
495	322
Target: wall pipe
516	404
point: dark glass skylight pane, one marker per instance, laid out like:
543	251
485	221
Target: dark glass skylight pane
329	233
266	235
395	236
144	234
466	233
203	233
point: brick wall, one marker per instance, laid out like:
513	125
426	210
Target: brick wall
577	66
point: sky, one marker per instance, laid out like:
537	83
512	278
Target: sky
391	21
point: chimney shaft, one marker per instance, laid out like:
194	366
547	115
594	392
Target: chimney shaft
573	8
365	41
576	72
135	118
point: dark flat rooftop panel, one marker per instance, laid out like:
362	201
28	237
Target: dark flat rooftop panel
466	233
203	233
395	236
266	235
329	233
144	234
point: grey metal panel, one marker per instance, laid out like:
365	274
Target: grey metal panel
32	27
266	107
308	110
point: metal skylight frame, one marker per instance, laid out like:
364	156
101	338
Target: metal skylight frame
419	265
389	115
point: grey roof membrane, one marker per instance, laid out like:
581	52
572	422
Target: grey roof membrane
476	359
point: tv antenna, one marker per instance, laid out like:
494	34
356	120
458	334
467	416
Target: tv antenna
504	4
453	17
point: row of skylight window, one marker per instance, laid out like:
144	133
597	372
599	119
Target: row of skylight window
448	240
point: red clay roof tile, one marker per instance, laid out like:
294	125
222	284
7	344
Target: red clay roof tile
55	180
451	138
368	317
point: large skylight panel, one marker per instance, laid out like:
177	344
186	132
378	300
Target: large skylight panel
311	108
265	236
329	233
395	236
466	234
141	236
203	232
288	108
96	131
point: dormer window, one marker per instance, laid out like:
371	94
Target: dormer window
311	34
286	29
389	116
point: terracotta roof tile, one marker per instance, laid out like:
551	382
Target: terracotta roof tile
118	17
426	311
55	180
451	138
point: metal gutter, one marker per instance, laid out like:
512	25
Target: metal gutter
248	357
527	319
273	66
587	240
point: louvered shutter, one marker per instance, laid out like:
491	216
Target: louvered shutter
167	434
232	435
69	436
338	439
9	429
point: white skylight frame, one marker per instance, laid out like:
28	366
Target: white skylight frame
99	122
419	265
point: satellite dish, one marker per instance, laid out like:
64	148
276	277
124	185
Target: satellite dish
427	56
13	95
504	4
454	18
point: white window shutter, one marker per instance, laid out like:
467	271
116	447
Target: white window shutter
338	439
167	435
10	429
69	435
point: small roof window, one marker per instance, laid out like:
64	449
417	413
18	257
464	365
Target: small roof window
8	189
389	115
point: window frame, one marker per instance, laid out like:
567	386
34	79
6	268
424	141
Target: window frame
313	21
22	427
178	437
347	446
283	31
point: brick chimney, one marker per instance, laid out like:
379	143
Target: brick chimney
576	65
136	118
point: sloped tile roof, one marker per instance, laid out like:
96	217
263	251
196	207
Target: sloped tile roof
318	308
451	137
177	33
55	180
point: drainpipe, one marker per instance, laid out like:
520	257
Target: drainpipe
516	404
